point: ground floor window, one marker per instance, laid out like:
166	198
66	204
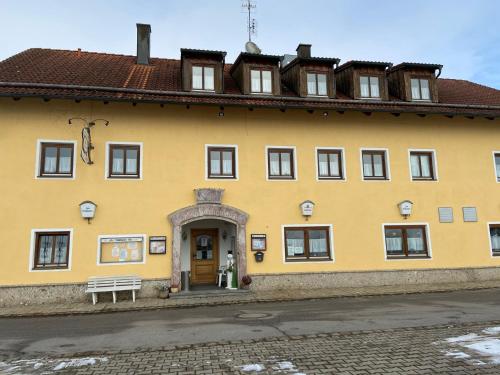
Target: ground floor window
118	249
51	250
495	239
307	243
406	241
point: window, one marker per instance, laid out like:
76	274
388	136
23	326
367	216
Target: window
203	78
221	162
316	84
374	165
124	161
420	89
406	241
495	239
280	163
369	87
56	159
497	165
261	81
51	250
307	243
422	165
330	164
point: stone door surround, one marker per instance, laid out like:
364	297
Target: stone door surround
208	206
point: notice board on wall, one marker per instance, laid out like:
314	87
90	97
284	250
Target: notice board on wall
121	249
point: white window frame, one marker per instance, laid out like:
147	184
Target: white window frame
39	155
295	161
387	162
497	177
101	236
434	164
33	247
489	238
260	70
283	247
106	161
375	98
427	236
420	90
202	77
317	95
236	171
342	155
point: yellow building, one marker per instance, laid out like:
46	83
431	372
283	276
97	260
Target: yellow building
301	168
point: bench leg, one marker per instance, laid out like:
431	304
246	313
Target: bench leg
133	295
114	297
94	298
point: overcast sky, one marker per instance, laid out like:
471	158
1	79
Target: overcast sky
462	35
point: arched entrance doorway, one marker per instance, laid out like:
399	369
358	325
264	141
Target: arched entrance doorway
208	206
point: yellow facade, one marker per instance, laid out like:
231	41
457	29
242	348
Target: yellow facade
174	139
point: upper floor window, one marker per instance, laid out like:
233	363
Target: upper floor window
422	165
497	165
495	239
280	163
307	243
420	89
316	84
261	81
330	164
203	78
51	250
221	162
369	87
56	159
374	165
124	161
405	241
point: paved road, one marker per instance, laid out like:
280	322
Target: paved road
56	336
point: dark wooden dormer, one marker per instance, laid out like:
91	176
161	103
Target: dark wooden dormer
263	69
363	79
310	76
414	82
202	70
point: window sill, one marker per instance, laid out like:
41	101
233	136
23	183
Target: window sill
375	179
123	177
370	98
50	268
55	176
221	177
423	179
275	178
390	257
312	259
495	253
331	178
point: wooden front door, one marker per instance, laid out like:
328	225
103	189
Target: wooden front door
204	255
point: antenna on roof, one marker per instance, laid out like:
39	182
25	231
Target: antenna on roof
249	7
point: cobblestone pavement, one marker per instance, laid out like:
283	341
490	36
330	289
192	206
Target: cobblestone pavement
187	300
464	349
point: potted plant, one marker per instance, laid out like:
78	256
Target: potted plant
163	291
174	288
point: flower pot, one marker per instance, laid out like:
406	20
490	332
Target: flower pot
174	289
163	294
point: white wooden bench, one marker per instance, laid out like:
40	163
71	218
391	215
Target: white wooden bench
112	284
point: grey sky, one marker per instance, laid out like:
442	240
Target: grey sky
462	35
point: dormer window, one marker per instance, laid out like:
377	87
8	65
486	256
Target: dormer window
316	84
203	78
420	89
261	81
369	87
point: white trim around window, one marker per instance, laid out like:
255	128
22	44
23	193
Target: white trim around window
283	247
427	236
295	162
38	159
433	161
343	163
33	247
235	166
387	163
497	177
488	224
106	160
101	236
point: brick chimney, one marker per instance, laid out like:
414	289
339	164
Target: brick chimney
143	43
304	50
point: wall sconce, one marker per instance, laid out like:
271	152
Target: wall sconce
221	112
87	210
184	235
405	208
224	234
307	208
325	115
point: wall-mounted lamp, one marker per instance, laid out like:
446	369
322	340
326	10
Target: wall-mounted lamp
224	234
184	235
87	210
325	115
405	208
221	112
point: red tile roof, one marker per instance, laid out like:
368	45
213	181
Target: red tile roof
101	76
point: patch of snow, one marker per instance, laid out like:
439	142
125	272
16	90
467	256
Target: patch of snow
470	336
492	330
257	367
458	355
79	362
487	347
286	365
